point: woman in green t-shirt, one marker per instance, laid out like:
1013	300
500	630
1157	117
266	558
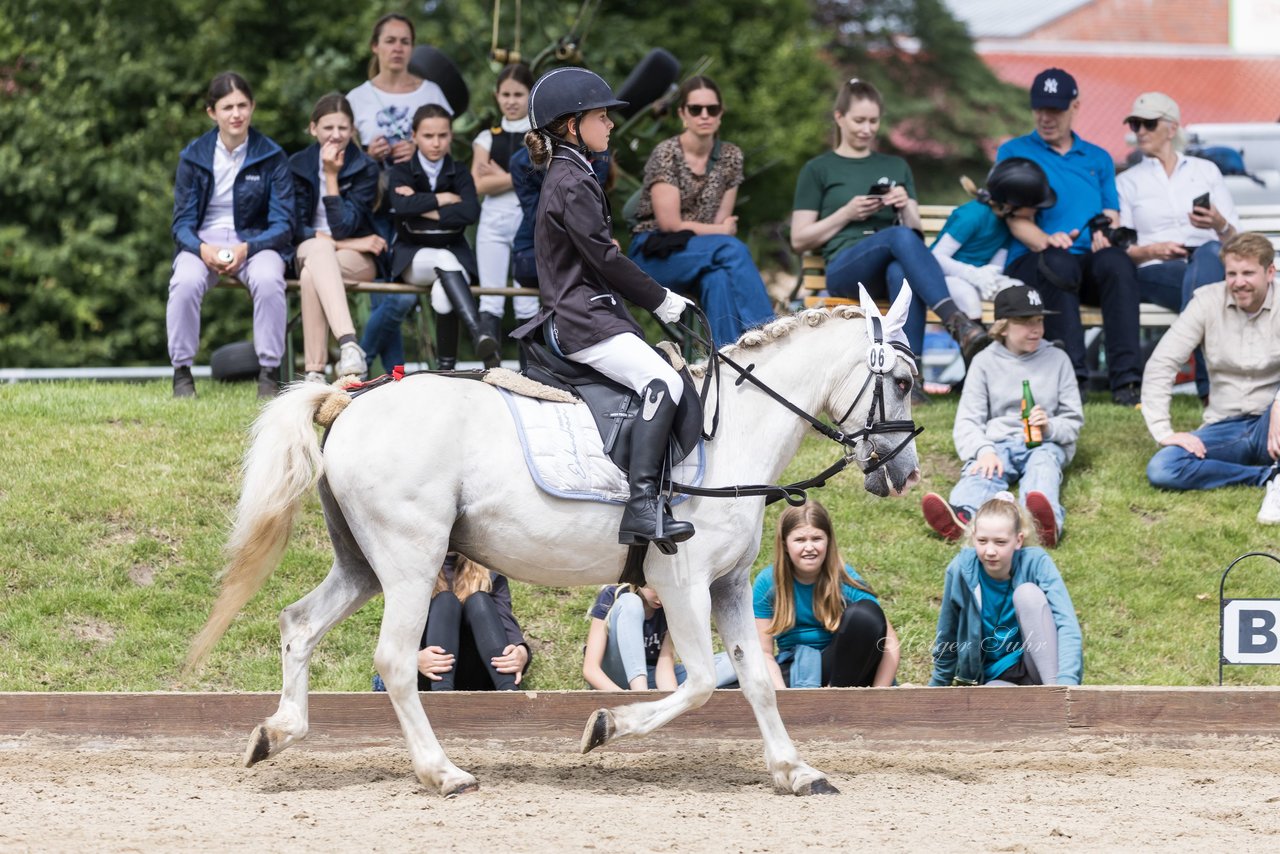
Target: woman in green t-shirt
858	206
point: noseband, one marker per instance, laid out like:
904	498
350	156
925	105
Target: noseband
880	361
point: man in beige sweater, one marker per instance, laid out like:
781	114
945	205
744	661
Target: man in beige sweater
1237	323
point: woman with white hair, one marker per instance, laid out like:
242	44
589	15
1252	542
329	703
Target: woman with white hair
1179	206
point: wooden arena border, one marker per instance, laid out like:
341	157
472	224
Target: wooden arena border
347	720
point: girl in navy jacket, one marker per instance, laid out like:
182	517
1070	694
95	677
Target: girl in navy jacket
1006	616
232	216
335	191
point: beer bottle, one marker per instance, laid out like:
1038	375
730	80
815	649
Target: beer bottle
1030	432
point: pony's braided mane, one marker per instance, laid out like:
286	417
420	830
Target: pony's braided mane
781	328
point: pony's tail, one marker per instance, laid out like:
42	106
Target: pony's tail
281	466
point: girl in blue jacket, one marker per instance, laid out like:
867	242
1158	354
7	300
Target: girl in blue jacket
335	190
1006	617
232	216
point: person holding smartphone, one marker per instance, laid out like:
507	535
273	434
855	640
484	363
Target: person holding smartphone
872	236
1180	207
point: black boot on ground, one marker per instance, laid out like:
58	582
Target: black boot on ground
969	334
268	383
446	342
184	385
647	518
491	325
464	308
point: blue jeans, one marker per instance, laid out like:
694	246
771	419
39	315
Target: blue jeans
1036	470
382	338
882	261
1235	452
719	270
1171	284
624	657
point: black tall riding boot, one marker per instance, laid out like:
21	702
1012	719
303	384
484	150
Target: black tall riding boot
446	342
647	518
464	306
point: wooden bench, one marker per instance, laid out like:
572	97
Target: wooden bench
292	286
1264	219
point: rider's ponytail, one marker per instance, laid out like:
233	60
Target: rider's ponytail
541	141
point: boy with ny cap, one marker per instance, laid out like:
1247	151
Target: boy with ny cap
1060	255
989	433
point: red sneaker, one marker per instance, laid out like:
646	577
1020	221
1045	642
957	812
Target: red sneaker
1042	512
950	522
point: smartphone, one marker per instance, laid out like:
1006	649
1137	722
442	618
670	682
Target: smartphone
1201	201
879	189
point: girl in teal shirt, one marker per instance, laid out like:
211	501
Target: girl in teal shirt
825	620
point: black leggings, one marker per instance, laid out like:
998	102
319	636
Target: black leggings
852	657
473	632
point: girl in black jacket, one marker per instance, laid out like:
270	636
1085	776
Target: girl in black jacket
581	274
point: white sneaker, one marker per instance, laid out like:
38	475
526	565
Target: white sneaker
317	377
350	361
1269	514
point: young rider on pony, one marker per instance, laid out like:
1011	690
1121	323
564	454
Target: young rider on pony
582	272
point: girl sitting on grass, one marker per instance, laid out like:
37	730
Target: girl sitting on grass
1006	616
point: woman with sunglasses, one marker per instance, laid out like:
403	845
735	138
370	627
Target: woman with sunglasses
858	207
685	229
1180	208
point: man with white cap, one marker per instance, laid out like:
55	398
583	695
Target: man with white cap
1060	254
1180	208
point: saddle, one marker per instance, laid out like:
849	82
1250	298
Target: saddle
613	407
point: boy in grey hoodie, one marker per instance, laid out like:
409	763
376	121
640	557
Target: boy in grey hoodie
989	433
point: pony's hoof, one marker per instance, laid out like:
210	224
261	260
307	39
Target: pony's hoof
462	789
600	728
819	786
259	746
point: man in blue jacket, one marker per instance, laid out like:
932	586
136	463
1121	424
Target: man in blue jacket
1060	255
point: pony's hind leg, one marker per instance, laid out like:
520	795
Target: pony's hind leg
349	584
405	605
731	607
687	610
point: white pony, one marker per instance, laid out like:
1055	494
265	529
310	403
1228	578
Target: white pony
417	468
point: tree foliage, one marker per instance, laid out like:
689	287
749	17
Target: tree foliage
97	97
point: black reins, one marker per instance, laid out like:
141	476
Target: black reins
795	493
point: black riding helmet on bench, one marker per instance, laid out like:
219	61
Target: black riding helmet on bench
570	92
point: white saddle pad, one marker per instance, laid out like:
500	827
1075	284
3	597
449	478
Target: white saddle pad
565	454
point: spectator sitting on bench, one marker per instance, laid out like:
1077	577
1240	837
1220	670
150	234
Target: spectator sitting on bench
974	242
685	229
1060	255
232	216
433	200
335	189
1178	240
1237	325
997	447
501	212
384	106
1006	617
858	206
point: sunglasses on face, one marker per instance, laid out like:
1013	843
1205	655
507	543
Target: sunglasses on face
1146	124
712	110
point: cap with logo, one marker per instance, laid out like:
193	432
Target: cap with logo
1020	301
1053	89
1155	105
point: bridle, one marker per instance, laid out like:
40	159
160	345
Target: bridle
880	361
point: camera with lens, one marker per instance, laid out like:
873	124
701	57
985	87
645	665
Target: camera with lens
1121	237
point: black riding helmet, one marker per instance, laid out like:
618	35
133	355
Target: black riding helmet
568	92
1020	183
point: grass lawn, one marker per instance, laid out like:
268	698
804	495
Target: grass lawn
116	501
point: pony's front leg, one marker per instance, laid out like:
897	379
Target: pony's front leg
731	607
397	660
348	585
688	610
